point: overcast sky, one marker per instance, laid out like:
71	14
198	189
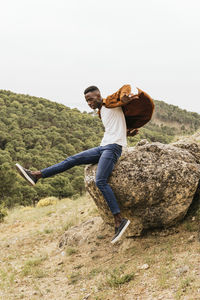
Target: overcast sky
56	48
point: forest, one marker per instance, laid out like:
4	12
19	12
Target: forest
37	133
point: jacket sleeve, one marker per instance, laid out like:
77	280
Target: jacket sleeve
124	90
114	100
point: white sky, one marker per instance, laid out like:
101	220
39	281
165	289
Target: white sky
56	48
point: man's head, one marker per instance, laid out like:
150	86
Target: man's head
93	97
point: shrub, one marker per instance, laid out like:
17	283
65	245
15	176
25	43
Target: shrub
3	213
47	201
25	208
115	279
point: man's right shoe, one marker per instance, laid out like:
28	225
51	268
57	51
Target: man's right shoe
119	231
26	174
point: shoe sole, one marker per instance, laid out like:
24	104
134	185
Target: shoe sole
121	233
24	175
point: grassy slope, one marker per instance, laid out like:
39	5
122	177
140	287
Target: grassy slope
33	266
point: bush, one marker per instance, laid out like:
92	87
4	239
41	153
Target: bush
47	201
115	279
25	208
3	213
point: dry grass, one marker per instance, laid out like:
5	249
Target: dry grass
33	267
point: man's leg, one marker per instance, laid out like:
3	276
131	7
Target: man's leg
104	169
90	156
106	164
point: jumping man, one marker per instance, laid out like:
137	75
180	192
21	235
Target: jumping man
106	155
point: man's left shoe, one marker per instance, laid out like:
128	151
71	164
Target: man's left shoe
121	229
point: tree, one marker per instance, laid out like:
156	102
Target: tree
78	184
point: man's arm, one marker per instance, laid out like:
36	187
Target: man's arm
121	97
132	132
128	96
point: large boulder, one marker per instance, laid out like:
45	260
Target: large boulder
154	184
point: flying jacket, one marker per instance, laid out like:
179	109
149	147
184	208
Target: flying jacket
137	112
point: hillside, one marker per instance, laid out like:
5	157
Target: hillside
160	265
36	133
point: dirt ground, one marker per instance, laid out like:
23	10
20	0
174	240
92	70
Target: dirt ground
160	265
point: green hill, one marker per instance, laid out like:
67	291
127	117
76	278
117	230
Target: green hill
37	133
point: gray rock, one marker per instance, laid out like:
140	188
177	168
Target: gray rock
86	297
191	147
182	270
80	234
191	239
154	184
143	267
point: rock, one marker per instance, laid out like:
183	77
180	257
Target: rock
182	270
154	184
191	147
144	267
191	239
86	297
142	142
82	233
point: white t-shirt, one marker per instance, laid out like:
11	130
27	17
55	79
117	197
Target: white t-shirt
115	126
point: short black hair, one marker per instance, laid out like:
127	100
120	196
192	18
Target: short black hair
91	88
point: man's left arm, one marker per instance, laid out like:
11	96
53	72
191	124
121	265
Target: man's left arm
132	132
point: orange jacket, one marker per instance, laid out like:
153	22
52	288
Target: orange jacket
137	112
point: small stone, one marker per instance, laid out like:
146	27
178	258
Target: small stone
93	250
86	297
144	267
182	270
63	253
60	263
142	142
193	218
191	238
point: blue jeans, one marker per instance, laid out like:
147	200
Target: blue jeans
105	156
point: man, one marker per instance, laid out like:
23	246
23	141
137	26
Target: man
106	155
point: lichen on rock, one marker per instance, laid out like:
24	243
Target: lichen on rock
154	184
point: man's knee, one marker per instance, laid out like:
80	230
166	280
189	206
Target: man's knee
100	183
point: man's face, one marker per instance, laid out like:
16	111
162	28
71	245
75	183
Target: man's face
94	99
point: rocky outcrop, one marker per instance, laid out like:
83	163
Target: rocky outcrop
81	234
154	184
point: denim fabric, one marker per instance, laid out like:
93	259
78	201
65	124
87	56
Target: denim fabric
105	156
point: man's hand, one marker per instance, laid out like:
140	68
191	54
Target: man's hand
132	132
128	98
